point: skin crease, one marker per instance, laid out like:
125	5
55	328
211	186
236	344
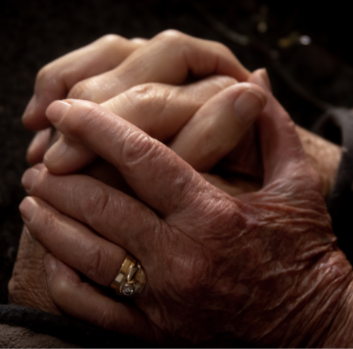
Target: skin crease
268	260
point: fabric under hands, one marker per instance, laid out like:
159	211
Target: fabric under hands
20	337
65	329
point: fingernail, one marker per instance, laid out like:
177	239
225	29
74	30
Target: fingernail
266	79
28	208
31	106
57	150
248	105
57	110
50	264
35	141
29	177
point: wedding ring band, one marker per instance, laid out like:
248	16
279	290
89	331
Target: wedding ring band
131	278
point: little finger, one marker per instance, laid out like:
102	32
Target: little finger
83	301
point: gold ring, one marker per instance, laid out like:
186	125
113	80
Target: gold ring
131	278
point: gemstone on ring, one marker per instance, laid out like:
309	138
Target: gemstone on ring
131	278
127	290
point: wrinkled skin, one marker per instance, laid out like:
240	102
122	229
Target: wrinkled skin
260	267
28	285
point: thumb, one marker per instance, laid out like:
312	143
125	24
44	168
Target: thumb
282	152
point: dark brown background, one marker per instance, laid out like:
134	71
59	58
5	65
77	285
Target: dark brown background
33	33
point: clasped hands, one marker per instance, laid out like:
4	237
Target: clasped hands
221	263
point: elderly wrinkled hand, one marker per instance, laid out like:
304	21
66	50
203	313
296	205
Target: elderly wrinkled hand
261	267
212	131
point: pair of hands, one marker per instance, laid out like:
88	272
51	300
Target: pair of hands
254	253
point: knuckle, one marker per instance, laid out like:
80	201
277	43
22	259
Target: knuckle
95	205
111	39
43	73
171	37
139	41
47	77
143	95
96	259
81	90
147	98
221	48
49	220
222	81
137	148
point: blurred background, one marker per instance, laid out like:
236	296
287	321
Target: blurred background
305	48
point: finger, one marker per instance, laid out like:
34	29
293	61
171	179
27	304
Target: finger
38	147
83	301
118	217
28	286
282	152
72	242
67	156
260	77
139	40
246	156
56	79
142	160
170	57
159	110
219	125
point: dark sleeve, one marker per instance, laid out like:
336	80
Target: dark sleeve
337	125
17	319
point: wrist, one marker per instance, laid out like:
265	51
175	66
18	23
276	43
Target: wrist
340	334
323	155
324	305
